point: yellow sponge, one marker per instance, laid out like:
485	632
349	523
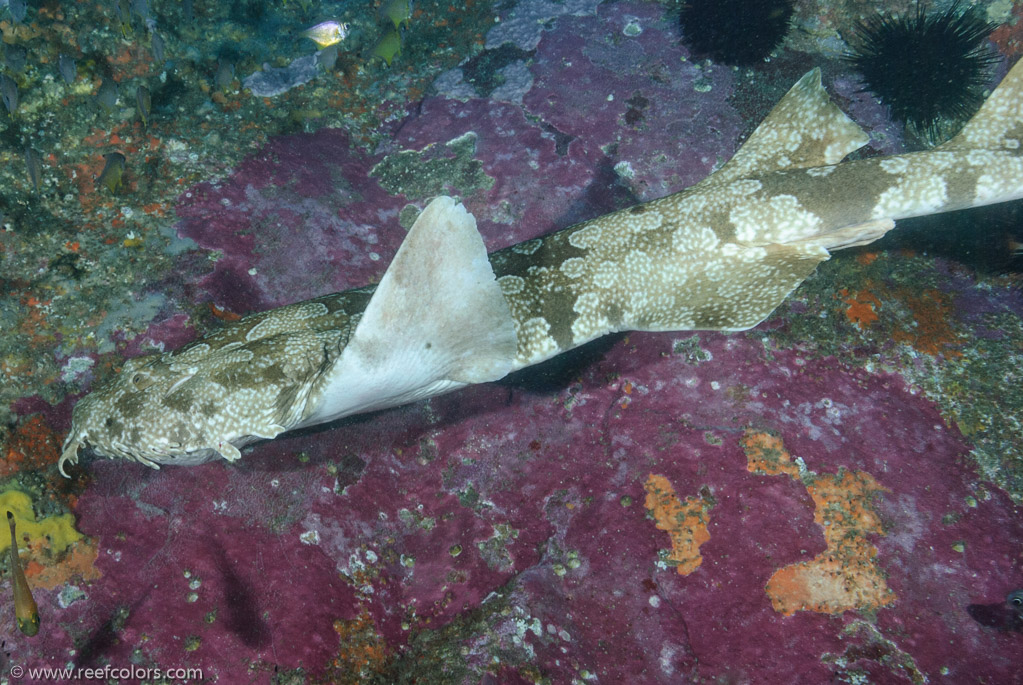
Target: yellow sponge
59	531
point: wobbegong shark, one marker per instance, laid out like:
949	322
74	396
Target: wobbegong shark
719	255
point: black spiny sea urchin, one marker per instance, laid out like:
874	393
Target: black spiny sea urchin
738	32
929	70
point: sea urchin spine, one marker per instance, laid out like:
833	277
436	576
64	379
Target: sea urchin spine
929	70
737	32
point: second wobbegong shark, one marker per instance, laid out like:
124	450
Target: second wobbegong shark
720	255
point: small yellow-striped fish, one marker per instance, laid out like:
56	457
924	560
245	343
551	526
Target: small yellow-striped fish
327	33
25	610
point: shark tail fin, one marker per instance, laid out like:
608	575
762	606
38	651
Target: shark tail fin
999	123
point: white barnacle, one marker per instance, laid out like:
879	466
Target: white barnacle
624	169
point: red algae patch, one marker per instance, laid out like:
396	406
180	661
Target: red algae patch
1009	36
32	445
845	575
685	521
766	454
933	333
363	652
77	563
862	307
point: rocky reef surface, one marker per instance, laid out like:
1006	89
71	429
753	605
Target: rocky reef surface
832	496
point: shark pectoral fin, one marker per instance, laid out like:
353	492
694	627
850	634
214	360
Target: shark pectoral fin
769	273
437	320
805	129
851	236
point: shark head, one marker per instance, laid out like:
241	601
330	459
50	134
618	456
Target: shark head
145	414
437	320
244	382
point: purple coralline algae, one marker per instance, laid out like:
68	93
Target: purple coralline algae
499	534
278	227
524	24
525	508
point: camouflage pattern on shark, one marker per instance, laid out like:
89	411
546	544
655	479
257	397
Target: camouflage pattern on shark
720	255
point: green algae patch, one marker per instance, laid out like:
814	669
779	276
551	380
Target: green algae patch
434	170
980	393
949	336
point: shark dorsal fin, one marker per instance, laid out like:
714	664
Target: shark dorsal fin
437	320
998	125
805	129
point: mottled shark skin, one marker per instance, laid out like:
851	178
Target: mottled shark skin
720	255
